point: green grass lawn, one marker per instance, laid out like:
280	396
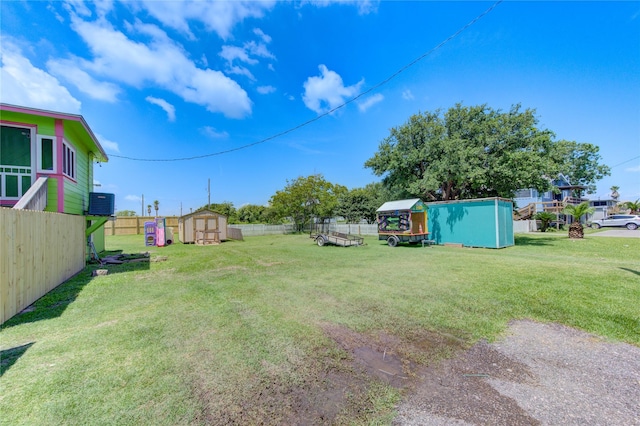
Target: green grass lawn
265	330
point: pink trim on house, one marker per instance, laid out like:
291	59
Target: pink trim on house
58	171
18	124
58	116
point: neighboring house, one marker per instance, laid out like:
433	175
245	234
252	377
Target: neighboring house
46	163
566	191
602	208
528	202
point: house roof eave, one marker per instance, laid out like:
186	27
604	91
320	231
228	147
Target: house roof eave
101	155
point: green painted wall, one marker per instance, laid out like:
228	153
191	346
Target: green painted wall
52	195
76	193
483	222
98	239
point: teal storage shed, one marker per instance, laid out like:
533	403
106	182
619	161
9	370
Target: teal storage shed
482	222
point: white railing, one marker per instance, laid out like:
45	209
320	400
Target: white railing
35	198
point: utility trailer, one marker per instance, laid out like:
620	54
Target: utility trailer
403	221
323	236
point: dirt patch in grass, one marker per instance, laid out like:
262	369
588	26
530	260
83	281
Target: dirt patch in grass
341	384
324	393
542	374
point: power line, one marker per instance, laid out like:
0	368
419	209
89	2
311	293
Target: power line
627	161
331	111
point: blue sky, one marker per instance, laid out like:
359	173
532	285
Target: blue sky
165	80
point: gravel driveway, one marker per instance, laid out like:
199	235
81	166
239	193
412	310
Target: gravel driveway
539	374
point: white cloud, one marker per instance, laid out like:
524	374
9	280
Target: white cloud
245	54
161	62
23	84
370	101
77	6
407	95
231	53
258	49
327	91
364	6
166	106
135	198
635	169
107	144
266	38
218	16
70	72
213	133
265	90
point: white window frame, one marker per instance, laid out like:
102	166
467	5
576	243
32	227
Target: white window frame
39	139
69	160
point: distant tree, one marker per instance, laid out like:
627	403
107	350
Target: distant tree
156	206
149	209
467	152
252	213
634	206
305	198
354	205
580	163
576	230
125	213
225	208
362	203
545	219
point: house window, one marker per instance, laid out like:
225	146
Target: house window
46	154
68	161
16	161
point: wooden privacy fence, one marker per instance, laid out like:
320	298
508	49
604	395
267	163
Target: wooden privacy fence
134	225
38	252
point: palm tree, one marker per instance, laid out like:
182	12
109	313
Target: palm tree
545	219
576	230
156	205
149	209
614	192
634	206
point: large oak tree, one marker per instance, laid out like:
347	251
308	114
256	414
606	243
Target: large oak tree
476	152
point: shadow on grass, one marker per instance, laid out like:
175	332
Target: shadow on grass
8	357
54	303
525	240
631	270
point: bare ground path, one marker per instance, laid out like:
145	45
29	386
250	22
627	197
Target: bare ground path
539	374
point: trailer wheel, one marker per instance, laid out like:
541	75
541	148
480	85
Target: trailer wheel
393	241
320	241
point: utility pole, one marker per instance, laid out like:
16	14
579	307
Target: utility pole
209	193
142	214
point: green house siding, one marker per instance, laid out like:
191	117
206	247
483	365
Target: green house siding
65	194
483	222
98	239
52	195
76	193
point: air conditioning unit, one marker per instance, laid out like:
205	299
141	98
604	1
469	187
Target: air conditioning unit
101	204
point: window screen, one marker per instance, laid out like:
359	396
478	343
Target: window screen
15	146
47	153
